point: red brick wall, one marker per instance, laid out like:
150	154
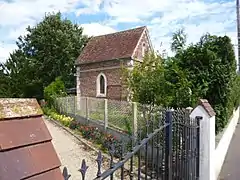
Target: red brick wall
114	88
88	79
100	65
114	92
138	52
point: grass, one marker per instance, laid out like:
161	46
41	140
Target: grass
115	119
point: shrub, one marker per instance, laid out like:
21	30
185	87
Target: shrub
73	124
105	140
66	121
88	132
54	90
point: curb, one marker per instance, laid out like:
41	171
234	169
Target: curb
75	136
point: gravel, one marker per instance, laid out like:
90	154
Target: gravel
71	152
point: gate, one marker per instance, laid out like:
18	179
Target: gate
167	148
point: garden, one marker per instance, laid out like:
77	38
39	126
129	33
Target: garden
101	140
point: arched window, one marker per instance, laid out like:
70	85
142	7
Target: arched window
101	85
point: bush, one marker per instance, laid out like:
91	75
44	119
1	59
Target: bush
54	90
64	120
88	132
105	140
73	124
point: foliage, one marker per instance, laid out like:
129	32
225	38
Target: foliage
211	67
4	83
116	118
159	82
47	51
142	80
54	90
179	40
206	69
235	95
95	135
64	120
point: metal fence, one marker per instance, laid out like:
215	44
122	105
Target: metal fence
110	113
166	149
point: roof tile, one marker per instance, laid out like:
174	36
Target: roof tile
26	150
111	46
205	104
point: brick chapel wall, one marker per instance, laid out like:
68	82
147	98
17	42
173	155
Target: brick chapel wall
115	90
138	52
88	79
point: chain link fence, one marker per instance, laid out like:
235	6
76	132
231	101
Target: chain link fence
121	115
95	108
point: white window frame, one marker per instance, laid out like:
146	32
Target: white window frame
98	91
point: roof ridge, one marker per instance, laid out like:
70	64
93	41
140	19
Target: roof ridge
122	31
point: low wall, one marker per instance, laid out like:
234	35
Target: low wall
222	147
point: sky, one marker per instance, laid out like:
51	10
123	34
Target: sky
97	17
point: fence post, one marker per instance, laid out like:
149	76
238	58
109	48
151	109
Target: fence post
87	108
168	143
198	119
74	107
105	114
66	105
134	122
206	165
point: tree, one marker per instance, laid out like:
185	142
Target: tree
47	51
206	69
179	40
156	81
211	67
146	80
4	83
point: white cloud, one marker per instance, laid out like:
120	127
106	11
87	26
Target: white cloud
25	11
95	29
18	14
5	49
163	17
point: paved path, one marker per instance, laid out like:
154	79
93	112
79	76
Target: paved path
231	166
71	152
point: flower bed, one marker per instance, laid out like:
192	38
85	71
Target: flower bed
64	120
101	139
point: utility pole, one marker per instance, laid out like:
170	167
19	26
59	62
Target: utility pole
238	35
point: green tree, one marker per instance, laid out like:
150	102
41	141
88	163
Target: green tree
179	40
4	83
47	51
159	82
146	80
211	67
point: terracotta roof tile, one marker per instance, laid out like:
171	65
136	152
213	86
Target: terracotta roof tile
111	46
26	150
205	104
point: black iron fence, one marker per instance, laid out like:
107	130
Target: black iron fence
169	150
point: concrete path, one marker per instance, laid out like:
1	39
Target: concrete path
71	152
231	166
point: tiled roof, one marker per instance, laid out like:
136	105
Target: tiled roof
205	104
111	46
26	150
